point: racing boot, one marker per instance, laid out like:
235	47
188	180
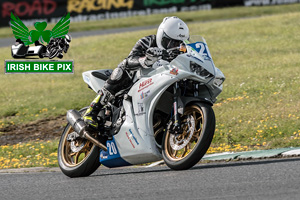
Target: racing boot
90	116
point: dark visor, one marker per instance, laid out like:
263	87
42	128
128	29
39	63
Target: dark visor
169	43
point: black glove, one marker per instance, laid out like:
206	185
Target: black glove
153	54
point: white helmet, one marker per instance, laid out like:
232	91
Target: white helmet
171	32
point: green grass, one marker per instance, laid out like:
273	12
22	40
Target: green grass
260	103
31	154
194	16
258	109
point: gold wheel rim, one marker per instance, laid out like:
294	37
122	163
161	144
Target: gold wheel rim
73	159
180	146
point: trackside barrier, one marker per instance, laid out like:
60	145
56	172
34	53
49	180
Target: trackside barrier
31	11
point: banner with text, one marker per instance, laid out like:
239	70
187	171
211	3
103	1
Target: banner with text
30	11
41	66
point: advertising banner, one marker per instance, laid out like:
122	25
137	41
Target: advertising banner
94	10
31	11
50	11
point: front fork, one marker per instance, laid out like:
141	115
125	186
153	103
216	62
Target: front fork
177	122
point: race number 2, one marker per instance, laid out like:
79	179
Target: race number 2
203	49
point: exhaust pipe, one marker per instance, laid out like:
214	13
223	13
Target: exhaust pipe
77	123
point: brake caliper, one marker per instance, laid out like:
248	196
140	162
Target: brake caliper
72	137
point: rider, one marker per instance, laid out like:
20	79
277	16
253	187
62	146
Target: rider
171	32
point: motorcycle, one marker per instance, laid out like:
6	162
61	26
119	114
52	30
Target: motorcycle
165	114
19	50
58	46
55	48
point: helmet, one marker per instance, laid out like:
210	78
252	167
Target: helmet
68	38
171	32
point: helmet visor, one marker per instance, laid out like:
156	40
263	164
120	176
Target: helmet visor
169	43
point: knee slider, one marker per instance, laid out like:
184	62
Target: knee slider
117	74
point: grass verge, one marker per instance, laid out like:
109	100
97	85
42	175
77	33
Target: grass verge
258	109
32	154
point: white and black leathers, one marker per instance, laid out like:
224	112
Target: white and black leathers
121	76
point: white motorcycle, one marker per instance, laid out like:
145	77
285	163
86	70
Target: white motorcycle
166	114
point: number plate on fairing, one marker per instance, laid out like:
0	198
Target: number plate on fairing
111	157
201	48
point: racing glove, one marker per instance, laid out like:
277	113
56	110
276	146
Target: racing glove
152	55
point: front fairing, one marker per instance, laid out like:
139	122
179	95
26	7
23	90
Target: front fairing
197	49
195	63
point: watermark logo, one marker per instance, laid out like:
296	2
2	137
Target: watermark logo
41	66
40	43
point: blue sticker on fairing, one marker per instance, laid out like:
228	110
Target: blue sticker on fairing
201	48
111	157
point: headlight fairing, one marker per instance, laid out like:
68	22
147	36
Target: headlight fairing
220	78
199	70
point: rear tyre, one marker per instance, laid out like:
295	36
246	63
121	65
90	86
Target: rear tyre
41	55
42	52
182	151
79	157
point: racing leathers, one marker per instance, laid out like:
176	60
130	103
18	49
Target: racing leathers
144	54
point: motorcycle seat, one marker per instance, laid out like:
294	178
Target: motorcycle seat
102	74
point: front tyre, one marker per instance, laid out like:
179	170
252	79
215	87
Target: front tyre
182	151
77	157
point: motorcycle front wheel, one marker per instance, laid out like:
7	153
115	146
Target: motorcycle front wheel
185	149
77	157
53	53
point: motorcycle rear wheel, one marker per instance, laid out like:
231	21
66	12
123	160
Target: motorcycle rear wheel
182	151
77	159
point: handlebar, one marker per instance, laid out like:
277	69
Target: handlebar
171	54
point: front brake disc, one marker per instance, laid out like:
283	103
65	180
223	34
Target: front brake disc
176	143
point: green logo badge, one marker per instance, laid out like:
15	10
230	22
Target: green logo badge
21	32
42	43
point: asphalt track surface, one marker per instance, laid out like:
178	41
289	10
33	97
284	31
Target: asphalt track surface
258	179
